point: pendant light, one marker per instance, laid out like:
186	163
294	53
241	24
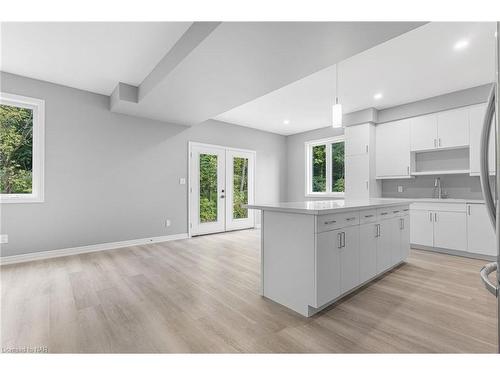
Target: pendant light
337	107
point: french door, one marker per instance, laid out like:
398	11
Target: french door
221	181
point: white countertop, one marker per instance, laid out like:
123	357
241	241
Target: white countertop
328	206
435	200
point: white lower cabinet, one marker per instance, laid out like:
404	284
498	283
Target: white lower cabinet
404	241
384	244
450	230
393	242
338	270
422	228
328	247
455	226
443	229
349	259
367	251
480	234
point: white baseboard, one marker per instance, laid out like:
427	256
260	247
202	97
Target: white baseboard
87	249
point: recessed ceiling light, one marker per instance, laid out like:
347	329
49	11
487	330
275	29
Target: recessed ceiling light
461	44
286	122
377	96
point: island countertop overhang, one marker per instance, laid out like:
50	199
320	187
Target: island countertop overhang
326	207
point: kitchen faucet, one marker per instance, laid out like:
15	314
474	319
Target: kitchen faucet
438	187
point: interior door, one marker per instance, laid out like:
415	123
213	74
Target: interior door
240	167
207	189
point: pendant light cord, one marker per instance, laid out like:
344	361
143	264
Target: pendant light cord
337	83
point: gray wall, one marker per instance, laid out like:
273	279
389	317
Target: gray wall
111	177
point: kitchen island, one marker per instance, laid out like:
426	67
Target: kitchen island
315	252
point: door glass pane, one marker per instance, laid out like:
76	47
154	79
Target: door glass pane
319	168
338	166
240	187
208	188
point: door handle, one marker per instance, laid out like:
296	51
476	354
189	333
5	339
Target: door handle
483	157
223	196
343	239
339	240
485	271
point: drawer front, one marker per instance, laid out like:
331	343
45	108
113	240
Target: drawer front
400	211
385	213
337	221
437	206
367	216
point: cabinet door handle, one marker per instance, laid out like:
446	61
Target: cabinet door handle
343	239
401	224
435	142
435	217
395	212
367	149
383	213
366	185
339	240
350	218
330	222
369	215
430	216
408	170
468	209
439	142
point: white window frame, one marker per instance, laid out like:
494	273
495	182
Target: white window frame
38	108
308	167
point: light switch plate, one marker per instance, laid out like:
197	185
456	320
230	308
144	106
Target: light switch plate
182	181
4	238
400	189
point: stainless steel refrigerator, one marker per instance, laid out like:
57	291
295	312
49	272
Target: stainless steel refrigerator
490	188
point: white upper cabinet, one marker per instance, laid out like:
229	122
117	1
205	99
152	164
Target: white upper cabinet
453	128
424	132
357	139
393	149
476	117
448	129
357	176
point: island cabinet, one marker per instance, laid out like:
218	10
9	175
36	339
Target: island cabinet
310	259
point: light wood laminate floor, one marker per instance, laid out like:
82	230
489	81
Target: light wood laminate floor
202	295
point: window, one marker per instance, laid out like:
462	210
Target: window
21	149
325	167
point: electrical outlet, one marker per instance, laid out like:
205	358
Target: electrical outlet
168	223
4	238
400	189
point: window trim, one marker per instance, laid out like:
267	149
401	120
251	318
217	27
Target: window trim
38	176
308	145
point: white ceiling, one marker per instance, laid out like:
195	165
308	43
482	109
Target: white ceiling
91	56
241	61
416	65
